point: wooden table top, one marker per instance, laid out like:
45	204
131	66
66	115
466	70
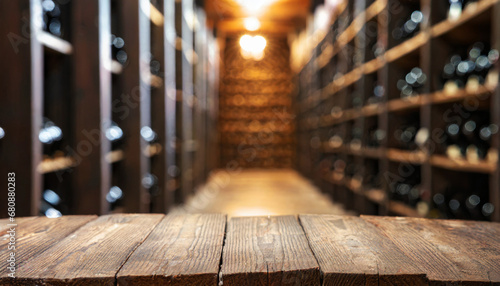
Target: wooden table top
209	249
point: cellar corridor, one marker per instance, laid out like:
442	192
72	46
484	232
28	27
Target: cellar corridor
249	142
257	192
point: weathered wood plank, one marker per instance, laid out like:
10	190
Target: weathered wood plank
443	263
350	251
92	255
4	222
268	251
35	235
479	240
181	250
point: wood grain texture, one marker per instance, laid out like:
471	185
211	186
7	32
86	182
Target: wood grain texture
443	262
267	251
181	250
35	235
479	240
92	255
4	222
350	251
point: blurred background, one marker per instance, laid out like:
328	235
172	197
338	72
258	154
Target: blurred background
251	107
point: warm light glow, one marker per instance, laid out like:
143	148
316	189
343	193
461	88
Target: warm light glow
251	24
252	47
156	16
321	18
332	3
254	7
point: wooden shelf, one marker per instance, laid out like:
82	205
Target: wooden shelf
407	47
54	43
116	67
51	165
402	104
374	153
115	156
471	12
152	80
354	185
403	156
460	94
331	178
462	165
375	195
403	209
153	150
156	16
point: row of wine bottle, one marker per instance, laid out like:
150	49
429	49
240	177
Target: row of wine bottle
52	202
51	136
471	66
452	202
460	204
471	139
407	27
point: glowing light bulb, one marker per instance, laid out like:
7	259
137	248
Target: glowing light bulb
259	43
251	24
253	47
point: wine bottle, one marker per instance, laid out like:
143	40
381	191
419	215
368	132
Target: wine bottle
378	94
148	134
473	206
406	137
409	27
412	83
51	13
114	194
117	49
114	134
49	211
50	135
51	197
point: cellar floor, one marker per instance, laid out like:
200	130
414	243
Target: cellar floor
258	192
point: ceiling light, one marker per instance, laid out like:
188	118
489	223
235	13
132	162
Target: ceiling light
254	6
251	24
252	47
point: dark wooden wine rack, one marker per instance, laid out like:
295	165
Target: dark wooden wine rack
74	81
342	64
